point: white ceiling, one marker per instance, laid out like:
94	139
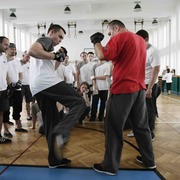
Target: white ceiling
88	14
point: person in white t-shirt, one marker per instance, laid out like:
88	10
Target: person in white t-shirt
60	71
4	102
15	80
168	77
80	76
101	78
70	74
25	62
151	79
49	89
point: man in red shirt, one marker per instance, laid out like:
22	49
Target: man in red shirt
127	51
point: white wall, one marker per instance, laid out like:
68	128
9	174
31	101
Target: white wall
76	45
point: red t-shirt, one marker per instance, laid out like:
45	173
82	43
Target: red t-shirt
127	51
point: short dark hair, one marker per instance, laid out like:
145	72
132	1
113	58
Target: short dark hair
85	83
144	34
83	53
12	45
56	28
2	38
64	50
116	22
90	53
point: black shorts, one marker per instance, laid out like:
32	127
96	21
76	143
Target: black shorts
27	93
4	101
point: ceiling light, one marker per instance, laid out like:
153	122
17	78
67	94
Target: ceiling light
155	22
80	32
67	10
137	7
12	16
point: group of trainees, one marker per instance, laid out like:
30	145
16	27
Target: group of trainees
15	85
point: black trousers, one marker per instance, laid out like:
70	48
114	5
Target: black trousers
86	112
53	124
102	95
119	108
16	102
168	86
152	107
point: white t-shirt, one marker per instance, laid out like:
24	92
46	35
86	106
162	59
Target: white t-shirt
3	72
25	73
42	71
86	72
152	60
60	71
103	70
69	71
168	77
14	68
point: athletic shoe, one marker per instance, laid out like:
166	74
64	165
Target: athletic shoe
130	134
58	146
62	163
4	140
139	159
8	134
99	168
21	130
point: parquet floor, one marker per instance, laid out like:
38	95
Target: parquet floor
86	143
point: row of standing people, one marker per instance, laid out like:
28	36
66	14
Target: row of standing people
15	87
98	76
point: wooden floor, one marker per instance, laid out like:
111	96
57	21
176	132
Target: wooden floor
86	143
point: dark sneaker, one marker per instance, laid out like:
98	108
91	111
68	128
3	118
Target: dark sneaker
58	146
4	140
92	119
99	168
139	159
62	163
8	134
21	130
10	123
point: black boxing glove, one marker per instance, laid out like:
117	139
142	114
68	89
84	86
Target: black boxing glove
12	85
97	38
59	56
16	85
